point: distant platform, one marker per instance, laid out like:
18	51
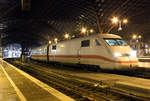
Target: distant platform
144	59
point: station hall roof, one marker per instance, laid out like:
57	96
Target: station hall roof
43	20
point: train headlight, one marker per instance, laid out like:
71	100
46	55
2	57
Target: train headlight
117	54
133	53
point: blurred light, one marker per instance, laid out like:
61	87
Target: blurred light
83	30
1	28
66	36
9	54
119	28
73	36
56	40
125	21
146	46
139	36
91	30
134	36
133	53
146	51
115	20
50	42
117	54
62	46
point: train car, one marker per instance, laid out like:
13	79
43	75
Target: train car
108	51
39	53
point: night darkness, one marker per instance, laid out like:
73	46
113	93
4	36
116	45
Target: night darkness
47	19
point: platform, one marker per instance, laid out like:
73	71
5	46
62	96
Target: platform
16	85
144	59
131	85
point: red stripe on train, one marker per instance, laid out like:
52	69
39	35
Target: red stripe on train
87	56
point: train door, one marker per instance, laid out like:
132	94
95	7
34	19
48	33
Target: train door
84	52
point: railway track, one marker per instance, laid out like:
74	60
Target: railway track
75	87
139	72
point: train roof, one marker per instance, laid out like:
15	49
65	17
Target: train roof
96	35
40	47
108	36
90	36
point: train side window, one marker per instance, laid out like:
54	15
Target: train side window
97	43
54	47
85	43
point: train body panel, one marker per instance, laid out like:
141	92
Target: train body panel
39	53
107	51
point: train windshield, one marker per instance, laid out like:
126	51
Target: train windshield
115	42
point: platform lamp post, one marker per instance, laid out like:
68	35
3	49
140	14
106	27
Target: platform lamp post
49	42
83	30
55	40
86	31
125	21
115	21
67	36
137	39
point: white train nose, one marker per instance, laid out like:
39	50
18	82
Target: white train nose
127	62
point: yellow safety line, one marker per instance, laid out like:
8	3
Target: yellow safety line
19	93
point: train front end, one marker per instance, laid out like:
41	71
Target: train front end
124	58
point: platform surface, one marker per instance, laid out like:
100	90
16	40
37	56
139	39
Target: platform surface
7	92
16	85
133	85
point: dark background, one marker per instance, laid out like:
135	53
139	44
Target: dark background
43	20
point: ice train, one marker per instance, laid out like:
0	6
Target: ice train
108	51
